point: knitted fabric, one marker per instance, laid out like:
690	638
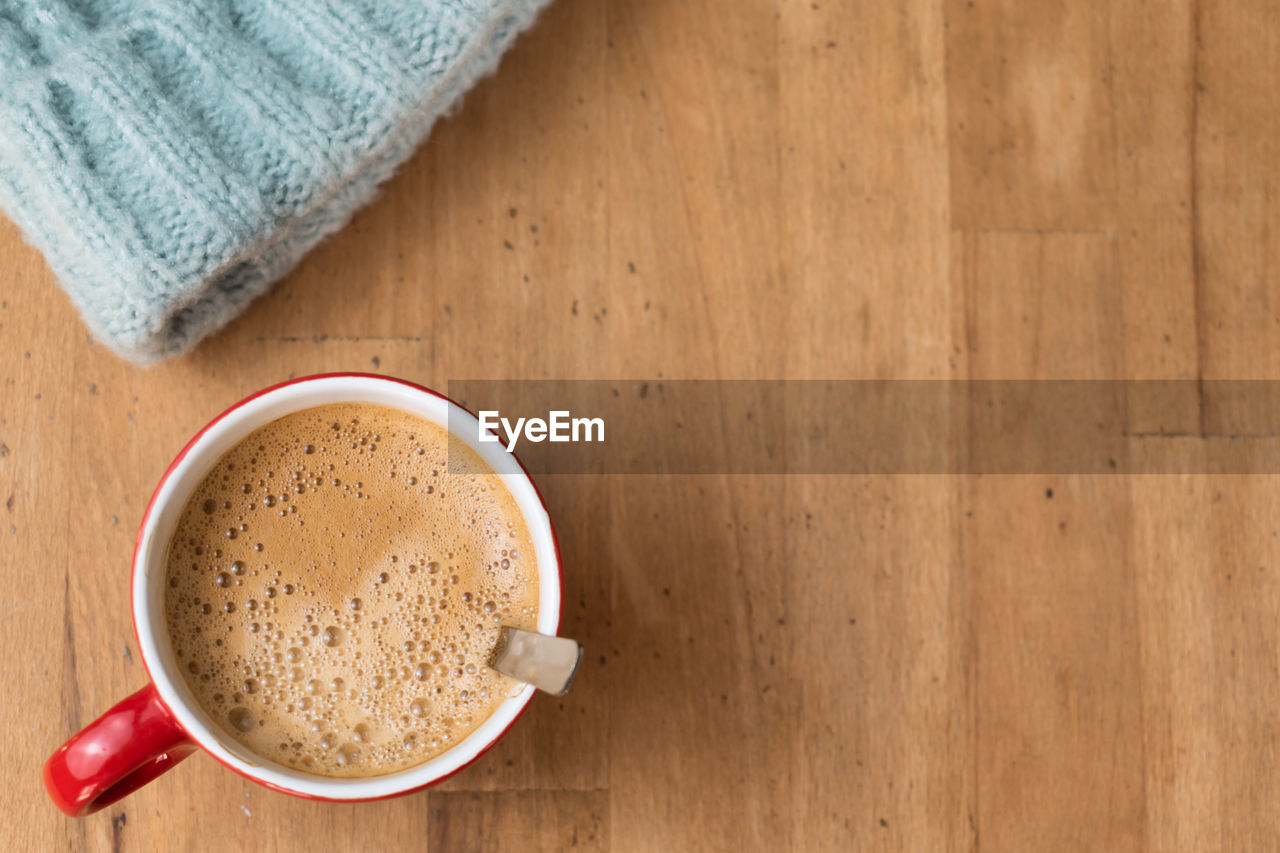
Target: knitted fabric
173	158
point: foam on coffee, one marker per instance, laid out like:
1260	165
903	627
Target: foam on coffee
336	586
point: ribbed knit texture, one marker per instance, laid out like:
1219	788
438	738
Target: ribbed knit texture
173	158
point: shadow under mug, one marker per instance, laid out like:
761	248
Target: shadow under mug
160	725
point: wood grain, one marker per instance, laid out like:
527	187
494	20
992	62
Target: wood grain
542	821
964	189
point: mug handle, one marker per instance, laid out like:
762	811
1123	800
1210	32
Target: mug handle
116	754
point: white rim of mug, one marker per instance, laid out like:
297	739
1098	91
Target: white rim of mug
170	499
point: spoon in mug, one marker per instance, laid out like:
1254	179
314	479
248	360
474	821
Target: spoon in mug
548	663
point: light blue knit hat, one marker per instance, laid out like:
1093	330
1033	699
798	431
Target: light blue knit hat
173	158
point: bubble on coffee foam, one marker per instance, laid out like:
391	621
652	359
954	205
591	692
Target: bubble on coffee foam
240	719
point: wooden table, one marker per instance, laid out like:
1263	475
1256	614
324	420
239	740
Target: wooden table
687	189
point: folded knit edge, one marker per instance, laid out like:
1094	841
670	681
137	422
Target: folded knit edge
216	299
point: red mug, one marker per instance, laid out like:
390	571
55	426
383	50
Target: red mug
160	725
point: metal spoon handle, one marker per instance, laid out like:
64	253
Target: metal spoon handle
548	663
